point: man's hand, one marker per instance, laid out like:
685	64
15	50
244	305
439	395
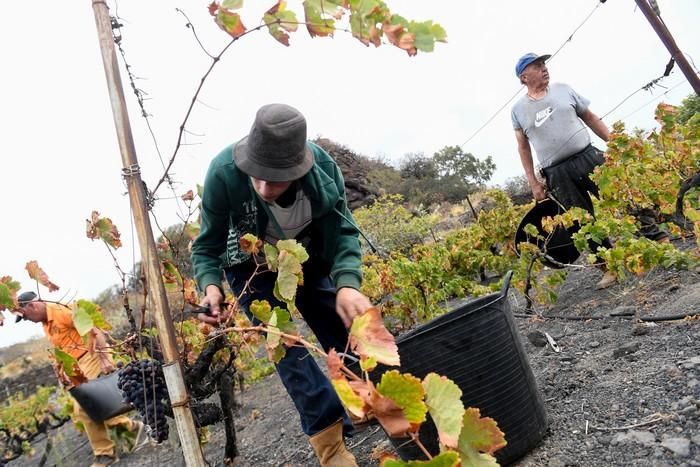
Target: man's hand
213	299
350	303
538	190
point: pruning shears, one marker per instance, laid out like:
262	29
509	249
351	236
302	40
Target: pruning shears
197	309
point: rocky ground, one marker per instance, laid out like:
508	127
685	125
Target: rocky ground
620	381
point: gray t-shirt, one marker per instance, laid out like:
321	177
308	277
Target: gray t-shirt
552	124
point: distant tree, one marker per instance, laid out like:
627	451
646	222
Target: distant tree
518	189
417	165
689	108
452	161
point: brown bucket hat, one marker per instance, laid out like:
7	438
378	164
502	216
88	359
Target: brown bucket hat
275	150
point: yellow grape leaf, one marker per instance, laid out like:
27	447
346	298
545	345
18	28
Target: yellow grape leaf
38	274
444	459
102	228
350	398
262	310
370	339
368	364
406	390
190	295
444	400
479	439
171	276
352	402
8	293
273	339
251	244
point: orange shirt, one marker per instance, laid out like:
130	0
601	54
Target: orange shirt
61	332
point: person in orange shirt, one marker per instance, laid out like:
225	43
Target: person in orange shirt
57	320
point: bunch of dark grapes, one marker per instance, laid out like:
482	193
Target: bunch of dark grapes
142	384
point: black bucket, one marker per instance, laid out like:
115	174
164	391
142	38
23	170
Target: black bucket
100	398
559	245
477	346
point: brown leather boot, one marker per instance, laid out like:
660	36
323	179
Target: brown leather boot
330	447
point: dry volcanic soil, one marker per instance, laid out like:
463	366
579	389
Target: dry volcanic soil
618	371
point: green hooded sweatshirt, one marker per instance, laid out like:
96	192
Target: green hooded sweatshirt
231	208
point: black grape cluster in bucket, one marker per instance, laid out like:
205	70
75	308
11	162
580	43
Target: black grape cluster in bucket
143	385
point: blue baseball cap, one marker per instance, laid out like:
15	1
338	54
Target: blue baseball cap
526	59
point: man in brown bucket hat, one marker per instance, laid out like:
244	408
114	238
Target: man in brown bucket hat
277	185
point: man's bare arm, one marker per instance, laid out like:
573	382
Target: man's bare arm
537	187
596	124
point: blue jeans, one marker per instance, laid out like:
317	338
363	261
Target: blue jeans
313	395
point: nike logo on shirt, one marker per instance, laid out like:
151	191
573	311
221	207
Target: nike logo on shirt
542	116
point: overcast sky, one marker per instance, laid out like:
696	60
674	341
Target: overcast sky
60	158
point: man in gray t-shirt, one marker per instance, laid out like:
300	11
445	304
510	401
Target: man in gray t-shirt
552	118
555	120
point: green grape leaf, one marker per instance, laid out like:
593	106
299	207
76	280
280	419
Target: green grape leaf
86	316
192	230
444	400
232	4
226	19
293	247
407	392
370	339
321	16
8	293
102	228
38	274
280	21
273	339
283	321
172	279
531	230
262	310
66	361
479	439
271	254
444	459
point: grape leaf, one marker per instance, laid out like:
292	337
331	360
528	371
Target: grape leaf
227	20
321	15
295	248
347	393
38	274
67	369
479	439
444	459
444	400
407	392
389	415
102	228
188	196
192	230
280	21
190	292
370	339
172	279
8	293
87	315
250	244
271	254
262	310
